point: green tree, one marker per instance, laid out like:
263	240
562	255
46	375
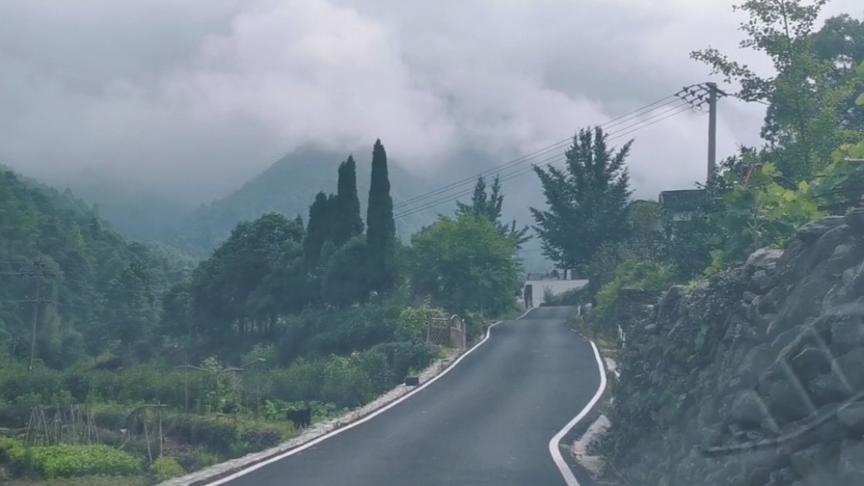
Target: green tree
807	96
318	231
381	230
587	202
489	206
347	222
345	280
465	265
234	292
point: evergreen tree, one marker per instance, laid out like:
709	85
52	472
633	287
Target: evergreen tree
345	278
347	222
381	231
318	231
587	201
488	206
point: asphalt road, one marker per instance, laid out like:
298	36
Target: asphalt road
487	422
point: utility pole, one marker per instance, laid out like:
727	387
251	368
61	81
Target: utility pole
35	323
36	271
697	96
712	129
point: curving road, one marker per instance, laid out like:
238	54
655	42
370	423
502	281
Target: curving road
487	422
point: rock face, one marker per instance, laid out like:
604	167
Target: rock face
755	377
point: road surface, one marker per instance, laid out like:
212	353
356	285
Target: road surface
486	422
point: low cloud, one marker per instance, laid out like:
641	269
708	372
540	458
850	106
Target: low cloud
186	98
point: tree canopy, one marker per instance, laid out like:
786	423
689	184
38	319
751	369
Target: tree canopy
465	265
810	96
489	206
587	201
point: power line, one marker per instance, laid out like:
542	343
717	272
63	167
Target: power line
625	118
464	192
653	119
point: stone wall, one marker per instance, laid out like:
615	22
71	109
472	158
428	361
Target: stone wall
755	377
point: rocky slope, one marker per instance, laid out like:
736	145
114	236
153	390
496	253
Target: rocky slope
755	377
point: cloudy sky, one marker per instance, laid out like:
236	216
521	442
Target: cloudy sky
190	97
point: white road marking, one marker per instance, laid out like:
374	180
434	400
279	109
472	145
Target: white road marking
554	447
365	419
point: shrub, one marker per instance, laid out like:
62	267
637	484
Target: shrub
760	213
13	453
69	460
196	458
260	437
632	275
412	323
218	434
38	386
107	416
404	357
166	468
345	382
321	332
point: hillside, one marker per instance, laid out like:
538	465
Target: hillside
55	250
288	187
753	377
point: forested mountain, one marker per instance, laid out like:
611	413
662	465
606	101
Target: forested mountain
90	289
286	187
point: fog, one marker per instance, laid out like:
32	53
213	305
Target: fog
188	98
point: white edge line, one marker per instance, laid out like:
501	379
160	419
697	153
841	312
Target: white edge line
365	419
554	447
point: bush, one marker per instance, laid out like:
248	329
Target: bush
261	437
404	357
196	458
349	381
632	275
70	460
218	434
321	332
15	455
225	436
40	386
166	468
345	382
412	323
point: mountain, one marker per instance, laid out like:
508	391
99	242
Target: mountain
288	187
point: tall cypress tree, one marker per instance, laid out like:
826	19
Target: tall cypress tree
347	222
318	231
381	231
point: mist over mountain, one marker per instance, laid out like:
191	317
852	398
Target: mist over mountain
288	186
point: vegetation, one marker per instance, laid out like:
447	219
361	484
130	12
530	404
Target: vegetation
631	275
202	364
62	461
760	196
489	206
812	95
287	187
381	234
465	264
587	202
